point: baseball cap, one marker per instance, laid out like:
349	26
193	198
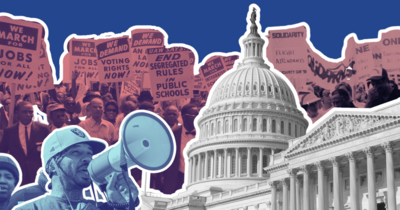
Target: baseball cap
61	139
8	164
378	73
309	98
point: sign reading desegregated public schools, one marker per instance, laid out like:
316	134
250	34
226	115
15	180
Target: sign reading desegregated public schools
171	73
114	60
19	50
83	58
44	79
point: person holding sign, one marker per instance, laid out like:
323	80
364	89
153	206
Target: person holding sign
381	91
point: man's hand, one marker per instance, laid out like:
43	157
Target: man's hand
117	189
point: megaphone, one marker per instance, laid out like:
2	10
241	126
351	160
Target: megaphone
146	140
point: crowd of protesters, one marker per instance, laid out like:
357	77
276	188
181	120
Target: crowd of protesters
317	101
100	113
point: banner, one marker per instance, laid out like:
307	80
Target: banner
20	46
114	60
171	73
141	40
44	79
83	58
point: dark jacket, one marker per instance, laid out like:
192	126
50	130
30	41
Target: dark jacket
31	162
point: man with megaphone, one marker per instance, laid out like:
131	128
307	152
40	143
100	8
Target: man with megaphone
66	155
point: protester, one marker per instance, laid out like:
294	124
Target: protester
393	84
310	102
73	110
145	96
360	93
340	98
9	177
66	156
346	87
189	113
111	111
381	91
5	113
96	126
23	141
30	192
167	181
326	102
56	116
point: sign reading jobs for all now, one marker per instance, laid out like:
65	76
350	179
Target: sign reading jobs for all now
23	58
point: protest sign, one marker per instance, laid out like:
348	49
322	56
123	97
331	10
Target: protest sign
229	61
20	42
114	60
141	40
83	58
390	54
171	73
130	88
44	75
212	70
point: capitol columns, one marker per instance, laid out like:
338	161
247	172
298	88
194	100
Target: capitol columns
292	174
190	170
336	183
206	166
353	181
321	191
260	167
274	186
225	163
285	189
371	178
237	170
306	186
214	175
248	161
391	202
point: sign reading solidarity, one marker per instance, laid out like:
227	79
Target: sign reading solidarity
171	73
44	75
19	50
83	58
114	60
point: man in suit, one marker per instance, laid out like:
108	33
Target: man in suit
23	141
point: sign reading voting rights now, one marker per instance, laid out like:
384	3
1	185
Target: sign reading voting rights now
114	60
19	50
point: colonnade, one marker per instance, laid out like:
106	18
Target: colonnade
289	185
228	163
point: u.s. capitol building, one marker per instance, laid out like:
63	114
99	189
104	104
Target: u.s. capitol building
253	151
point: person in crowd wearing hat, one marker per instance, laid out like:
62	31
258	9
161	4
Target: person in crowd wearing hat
381	91
73	110
310	102
23	140
9	178
56	116
346	87
91	95
111	111
66	157
31	192
167	181
145	96
340	98
96	126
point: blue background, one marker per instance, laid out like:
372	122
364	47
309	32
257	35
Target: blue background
209	26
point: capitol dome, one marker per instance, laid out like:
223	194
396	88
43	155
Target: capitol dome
251	116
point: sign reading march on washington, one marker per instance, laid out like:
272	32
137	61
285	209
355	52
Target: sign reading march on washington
19	50
114	60
83	58
171	73
212	70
